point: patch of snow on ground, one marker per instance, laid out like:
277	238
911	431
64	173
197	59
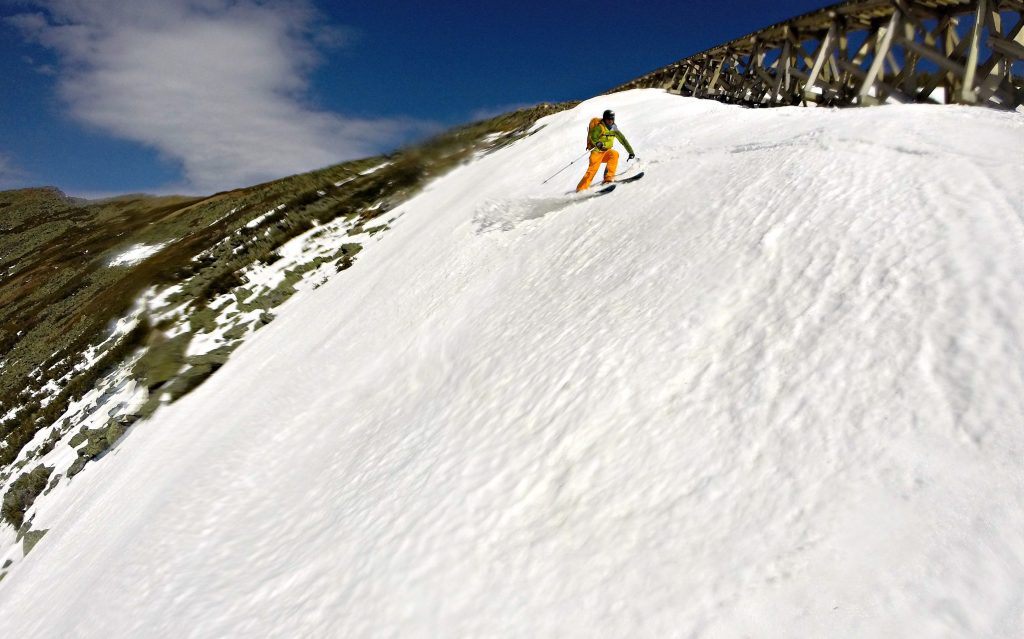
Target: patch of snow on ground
374	169
51	387
160	299
114	395
256	221
136	254
323	240
223	217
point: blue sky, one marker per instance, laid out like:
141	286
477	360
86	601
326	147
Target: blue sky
194	96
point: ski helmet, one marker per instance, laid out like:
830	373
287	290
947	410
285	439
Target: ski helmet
608	115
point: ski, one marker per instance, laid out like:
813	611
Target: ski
593	192
632	178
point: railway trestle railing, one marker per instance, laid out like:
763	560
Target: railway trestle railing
864	52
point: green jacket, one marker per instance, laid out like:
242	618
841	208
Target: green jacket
605	136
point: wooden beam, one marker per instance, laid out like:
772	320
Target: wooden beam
764	76
824	51
926	91
1017	32
907	79
967	91
908	15
880	51
754	60
798	48
886	88
933	55
893	63
952	37
705	77
782	75
682	80
1006	47
865	48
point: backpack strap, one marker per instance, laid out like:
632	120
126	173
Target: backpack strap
590	129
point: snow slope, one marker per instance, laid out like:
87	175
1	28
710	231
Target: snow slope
773	389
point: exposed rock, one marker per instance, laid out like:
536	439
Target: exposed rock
97	441
32	538
22	494
162	361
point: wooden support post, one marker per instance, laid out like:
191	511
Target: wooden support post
782	73
701	89
881	50
908	83
933	55
682	80
712	87
824	51
967	91
952	37
951	54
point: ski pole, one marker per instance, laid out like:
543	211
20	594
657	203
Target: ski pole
567	166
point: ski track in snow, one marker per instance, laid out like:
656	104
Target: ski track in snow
774	389
505	215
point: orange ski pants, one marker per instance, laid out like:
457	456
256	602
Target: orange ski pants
597	158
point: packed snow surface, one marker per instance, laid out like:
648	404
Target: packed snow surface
773	389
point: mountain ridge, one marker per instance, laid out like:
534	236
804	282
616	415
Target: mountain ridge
772	389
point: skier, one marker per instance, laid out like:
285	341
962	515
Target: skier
600	137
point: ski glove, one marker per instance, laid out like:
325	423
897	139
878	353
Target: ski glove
631	156
600	147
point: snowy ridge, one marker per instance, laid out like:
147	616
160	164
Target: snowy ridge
773	389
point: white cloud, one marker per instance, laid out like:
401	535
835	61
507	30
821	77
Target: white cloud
218	85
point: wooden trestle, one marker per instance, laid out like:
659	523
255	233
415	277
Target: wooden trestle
862	52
